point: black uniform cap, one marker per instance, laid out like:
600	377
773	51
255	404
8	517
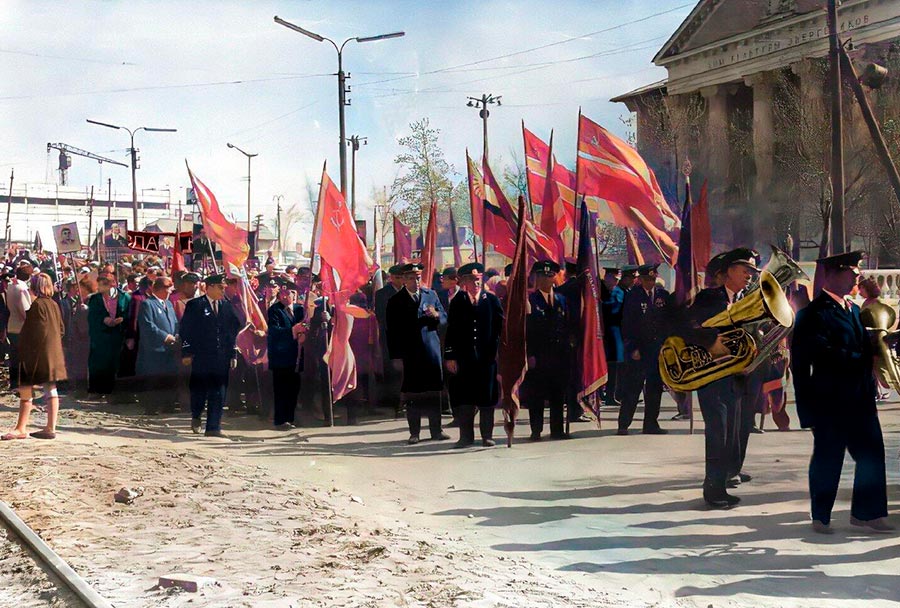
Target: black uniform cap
406	268
716	264
470	268
612	270
191	277
396	269
842	261
449	273
629	270
647	270
215	279
545	267
742	255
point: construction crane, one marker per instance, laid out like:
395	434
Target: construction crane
65	161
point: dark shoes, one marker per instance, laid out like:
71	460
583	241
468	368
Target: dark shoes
821	528
560	436
462	444
195	425
720	499
442	437
656	431
879	524
217	433
488	443
535	437
413	440
43	434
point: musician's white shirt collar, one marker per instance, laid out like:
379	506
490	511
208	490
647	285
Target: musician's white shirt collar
842	301
731	295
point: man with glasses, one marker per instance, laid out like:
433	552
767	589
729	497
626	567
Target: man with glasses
414	318
156	364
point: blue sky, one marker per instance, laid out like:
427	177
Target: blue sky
162	64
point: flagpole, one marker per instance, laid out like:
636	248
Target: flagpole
472	208
577	165
527	186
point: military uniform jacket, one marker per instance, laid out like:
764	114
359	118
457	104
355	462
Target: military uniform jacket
207	337
283	349
472	340
547	333
831	362
414	337
612	324
644	321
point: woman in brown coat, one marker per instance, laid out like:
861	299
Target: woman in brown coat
41	359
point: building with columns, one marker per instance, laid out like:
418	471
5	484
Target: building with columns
747	102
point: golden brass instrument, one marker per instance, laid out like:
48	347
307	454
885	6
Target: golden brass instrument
878	318
751	330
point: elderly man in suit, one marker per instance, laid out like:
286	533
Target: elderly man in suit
156	363
209	329
286	331
831	361
414	319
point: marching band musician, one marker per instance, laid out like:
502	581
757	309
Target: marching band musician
831	361
720	401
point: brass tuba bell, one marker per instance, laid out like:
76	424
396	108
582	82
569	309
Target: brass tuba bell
878	318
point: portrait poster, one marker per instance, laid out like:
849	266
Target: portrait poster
67	238
115	234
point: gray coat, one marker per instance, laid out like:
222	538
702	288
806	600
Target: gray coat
156	320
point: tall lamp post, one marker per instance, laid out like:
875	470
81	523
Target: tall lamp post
134	159
342	89
249	157
354	142
481	104
278	198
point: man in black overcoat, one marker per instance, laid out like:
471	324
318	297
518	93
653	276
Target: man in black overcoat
644	328
831	361
209	329
570	290
414	319
286	330
474	325
389	388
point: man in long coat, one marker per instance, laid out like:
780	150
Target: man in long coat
107	311
474	325
831	361
209	329
156	363
286	329
414	318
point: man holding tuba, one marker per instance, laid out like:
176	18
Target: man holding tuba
831	361
720	401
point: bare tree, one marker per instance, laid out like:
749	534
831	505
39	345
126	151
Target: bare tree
425	175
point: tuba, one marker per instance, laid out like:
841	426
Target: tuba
751	329
878	318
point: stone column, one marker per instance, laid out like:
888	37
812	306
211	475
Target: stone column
763	131
716	138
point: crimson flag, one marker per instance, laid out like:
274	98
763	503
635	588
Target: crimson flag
402	242
592	368
701	232
429	247
490	220
544	191
457	255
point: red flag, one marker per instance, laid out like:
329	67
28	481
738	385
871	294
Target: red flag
338	243
457	255
489	220
701	233
635	257
687	282
402	242
429	247
620	188
339	357
537	167
177	254
513	355
591	355
231	239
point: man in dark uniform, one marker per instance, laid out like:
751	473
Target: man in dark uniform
286	330
643	332
720	401
449	289
389	390
831	361
571	293
612	326
209	329
474	325
414	318
547	332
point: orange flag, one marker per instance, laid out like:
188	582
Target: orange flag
231	239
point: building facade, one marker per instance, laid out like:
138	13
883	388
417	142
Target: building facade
747	102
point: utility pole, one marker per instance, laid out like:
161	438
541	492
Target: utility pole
354	142
278	198
838	230
342	88
256	240
8	233
249	158
91	214
481	104
109	199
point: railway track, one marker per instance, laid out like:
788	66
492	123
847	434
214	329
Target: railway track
32	575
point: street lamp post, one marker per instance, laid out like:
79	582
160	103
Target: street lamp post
482	104
249	156
342	89
354	142
278	198
133	151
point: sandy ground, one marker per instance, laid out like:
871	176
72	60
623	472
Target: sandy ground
352	516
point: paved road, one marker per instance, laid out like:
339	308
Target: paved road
621	513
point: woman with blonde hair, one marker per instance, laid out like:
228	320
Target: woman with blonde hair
41	359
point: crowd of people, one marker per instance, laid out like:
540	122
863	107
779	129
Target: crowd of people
129	331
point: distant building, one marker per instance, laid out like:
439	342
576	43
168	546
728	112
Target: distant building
746	101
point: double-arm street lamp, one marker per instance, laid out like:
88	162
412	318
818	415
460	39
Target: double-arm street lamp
133	151
249	156
342	89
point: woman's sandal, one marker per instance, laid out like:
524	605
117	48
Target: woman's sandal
11	436
43	435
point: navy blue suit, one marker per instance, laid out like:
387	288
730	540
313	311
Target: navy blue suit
472	340
156	363
285	360
547	340
831	362
414	337
644	328
209	339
